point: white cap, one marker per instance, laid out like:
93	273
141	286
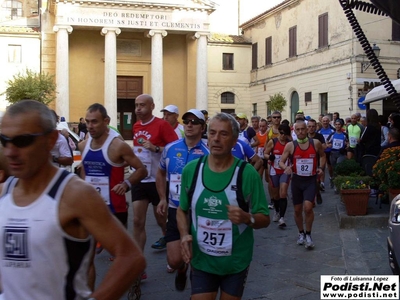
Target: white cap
195	112
171	108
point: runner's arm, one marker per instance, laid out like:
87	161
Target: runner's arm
268	148
285	156
161	185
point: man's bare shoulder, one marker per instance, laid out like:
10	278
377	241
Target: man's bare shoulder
81	145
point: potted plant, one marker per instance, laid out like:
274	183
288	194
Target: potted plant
345	171
355	192
386	172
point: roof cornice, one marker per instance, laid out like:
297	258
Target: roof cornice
208	6
268	13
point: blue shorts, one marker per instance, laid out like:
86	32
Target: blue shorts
231	284
276	180
303	188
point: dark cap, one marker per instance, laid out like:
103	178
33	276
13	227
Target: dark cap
204	112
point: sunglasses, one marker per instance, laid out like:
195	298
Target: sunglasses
276	117
193	121
281	132
21	141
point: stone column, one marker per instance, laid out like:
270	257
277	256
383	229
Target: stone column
62	70
110	72
201	71
157	78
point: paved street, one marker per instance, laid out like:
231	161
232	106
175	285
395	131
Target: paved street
281	269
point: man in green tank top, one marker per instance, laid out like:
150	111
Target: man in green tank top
226	201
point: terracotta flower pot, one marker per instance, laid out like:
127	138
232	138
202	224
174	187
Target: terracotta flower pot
356	201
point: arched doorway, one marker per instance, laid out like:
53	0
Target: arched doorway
294	105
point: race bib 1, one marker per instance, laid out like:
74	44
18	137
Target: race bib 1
175	186
214	237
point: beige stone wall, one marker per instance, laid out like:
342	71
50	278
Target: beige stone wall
87	69
235	81
334	70
30	58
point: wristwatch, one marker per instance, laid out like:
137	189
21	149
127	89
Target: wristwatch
157	149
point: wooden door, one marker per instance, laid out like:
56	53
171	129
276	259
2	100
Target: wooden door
128	88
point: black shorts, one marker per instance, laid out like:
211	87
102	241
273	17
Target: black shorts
265	163
172	233
122	217
232	284
145	191
303	188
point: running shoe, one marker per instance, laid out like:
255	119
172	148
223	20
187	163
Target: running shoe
302	239
160	244
309	242
181	278
276	217
135	292
331	182
322	186
281	223
169	269
319	198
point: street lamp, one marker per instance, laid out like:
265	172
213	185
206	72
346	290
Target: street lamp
365	65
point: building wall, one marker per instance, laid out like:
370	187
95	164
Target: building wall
30	58
235	81
334	70
86	48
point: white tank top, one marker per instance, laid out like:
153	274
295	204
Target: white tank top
38	259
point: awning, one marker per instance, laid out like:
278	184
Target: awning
379	92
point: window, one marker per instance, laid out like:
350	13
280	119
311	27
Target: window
228	98
323	31
324	103
228	110
395	31
254	53
11	10
268	51
14	54
293	41
254	112
307	97
227	61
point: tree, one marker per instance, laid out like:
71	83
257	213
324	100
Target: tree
31	85
277	102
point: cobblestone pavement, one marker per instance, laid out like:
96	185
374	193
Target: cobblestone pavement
281	269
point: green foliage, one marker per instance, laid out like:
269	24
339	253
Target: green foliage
352	182
348	167
277	102
31	85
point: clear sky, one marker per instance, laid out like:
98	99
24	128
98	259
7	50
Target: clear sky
225	18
